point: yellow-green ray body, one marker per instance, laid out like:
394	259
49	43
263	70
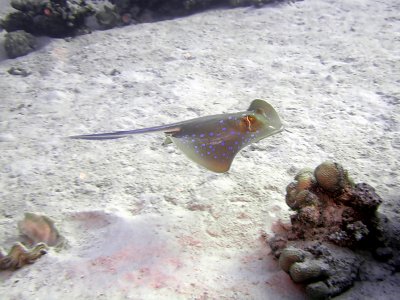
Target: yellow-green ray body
213	141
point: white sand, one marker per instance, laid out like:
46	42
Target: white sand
141	220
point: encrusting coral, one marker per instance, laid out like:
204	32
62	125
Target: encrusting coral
334	218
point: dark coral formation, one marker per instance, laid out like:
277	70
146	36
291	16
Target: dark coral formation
326	270
335	221
124	12
61	18
55	18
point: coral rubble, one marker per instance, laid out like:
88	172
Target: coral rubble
335	220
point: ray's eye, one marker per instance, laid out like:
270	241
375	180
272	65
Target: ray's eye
249	122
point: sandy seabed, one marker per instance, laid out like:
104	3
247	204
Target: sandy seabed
140	220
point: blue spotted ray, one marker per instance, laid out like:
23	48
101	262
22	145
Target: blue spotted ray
212	141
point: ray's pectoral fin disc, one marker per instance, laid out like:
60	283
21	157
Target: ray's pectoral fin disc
215	157
214	142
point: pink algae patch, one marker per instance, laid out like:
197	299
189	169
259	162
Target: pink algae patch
151	266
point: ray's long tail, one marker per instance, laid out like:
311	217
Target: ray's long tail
120	134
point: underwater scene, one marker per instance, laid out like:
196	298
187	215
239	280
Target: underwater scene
199	149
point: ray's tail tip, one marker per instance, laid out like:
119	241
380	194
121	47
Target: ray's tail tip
98	137
79	137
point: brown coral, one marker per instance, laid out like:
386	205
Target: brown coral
289	256
331	176
305	179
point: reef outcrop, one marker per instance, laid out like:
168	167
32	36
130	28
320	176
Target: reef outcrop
66	18
330	207
334	225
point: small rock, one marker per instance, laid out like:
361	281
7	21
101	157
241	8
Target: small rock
18	72
115	72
